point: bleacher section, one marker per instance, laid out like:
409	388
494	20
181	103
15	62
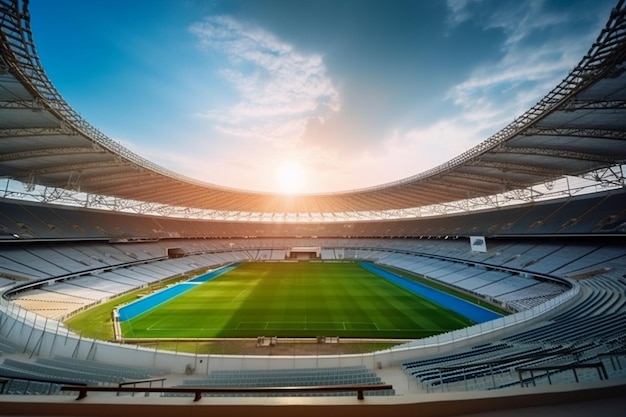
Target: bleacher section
26	386
581	335
599	213
89	272
75	371
88	257
308	377
96	271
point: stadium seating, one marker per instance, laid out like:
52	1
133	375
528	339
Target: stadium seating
355	375
587	214
76	371
87	266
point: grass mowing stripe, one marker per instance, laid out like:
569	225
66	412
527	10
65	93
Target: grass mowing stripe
343	294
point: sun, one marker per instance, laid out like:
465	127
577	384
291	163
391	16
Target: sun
290	178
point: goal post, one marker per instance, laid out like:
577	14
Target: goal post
303	252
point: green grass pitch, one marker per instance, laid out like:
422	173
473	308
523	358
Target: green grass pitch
295	299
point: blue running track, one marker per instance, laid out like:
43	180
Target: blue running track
132	310
472	311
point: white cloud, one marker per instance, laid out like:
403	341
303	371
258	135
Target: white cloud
278	88
494	94
426	147
524	18
402	154
459	11
527	70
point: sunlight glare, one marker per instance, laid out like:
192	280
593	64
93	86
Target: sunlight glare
290	178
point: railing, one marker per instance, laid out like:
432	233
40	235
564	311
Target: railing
599	366
489	368
143	381
198	391
614	357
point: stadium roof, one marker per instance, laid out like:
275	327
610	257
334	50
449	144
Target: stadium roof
578	127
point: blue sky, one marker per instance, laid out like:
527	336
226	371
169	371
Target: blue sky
308	96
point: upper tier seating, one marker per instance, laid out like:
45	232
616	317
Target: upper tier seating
600	213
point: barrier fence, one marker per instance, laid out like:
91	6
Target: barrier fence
198	391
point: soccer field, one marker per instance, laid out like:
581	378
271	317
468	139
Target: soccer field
295	299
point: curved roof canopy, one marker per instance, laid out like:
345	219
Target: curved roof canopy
578	127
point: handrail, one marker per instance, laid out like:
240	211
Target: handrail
141	381
599	366
197	391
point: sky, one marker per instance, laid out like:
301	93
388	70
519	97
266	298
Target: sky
300	96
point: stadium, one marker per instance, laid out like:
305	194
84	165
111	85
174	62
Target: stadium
513	252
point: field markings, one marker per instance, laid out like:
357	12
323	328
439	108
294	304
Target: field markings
306	325
245	292
152	326
312	290
296	326
303	282
152	329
